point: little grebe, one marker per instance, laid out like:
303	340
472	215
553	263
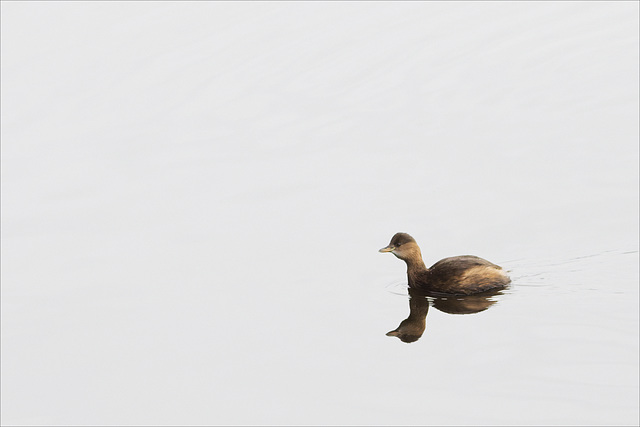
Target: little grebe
461	275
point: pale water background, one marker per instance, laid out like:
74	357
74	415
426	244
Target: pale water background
193	195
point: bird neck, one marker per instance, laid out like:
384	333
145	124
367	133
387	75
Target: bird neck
415	267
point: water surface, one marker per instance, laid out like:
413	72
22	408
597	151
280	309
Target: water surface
194	195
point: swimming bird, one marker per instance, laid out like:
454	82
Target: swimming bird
460	275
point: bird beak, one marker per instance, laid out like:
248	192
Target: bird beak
387	249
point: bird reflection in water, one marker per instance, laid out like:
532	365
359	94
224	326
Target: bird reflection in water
412	328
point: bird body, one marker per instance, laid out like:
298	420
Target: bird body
460	275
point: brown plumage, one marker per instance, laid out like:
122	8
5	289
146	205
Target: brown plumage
460	275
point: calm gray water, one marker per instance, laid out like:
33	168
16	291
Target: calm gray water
193	196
